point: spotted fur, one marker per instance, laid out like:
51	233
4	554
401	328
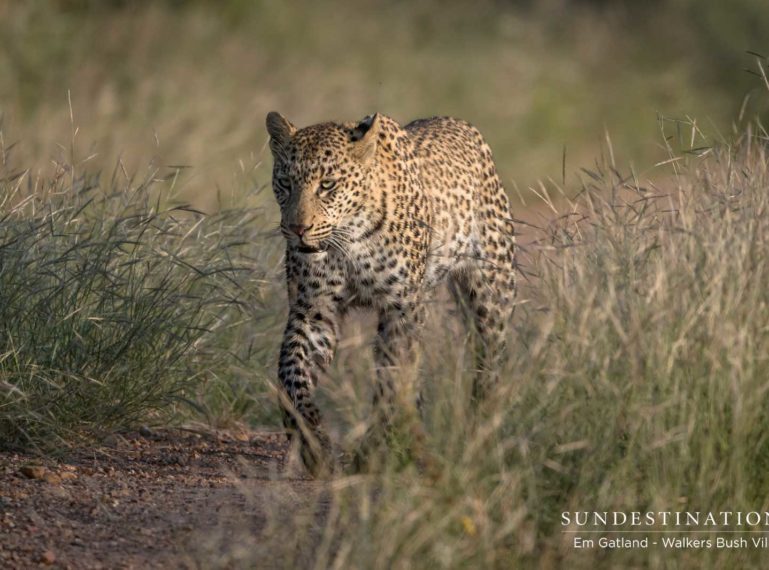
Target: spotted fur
377	215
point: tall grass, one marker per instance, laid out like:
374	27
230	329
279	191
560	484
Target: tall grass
114	303
639	381
534	79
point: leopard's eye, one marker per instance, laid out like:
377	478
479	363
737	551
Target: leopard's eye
284	182
327	185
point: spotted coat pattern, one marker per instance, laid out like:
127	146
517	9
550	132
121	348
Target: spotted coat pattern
377	215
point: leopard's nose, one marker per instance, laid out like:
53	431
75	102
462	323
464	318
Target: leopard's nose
299	229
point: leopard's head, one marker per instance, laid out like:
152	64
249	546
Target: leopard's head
321	178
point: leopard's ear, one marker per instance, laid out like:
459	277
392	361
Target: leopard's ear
280	129
364	138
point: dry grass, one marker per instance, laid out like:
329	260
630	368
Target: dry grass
191	85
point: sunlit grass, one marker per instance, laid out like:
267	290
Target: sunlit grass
189	83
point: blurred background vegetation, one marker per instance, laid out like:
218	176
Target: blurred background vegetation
189	82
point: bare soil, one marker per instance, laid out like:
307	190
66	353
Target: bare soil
139	501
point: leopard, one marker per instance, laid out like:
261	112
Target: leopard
376	215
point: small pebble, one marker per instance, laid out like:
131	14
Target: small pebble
32	471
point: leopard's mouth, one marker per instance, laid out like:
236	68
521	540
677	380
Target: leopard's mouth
310	249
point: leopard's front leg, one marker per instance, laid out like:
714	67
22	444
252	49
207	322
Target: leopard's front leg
396	425
308	347
397	354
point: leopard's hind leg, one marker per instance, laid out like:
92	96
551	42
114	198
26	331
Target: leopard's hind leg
485	288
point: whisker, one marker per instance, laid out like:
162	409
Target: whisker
340	247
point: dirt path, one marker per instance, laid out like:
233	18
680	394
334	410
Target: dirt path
141	501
